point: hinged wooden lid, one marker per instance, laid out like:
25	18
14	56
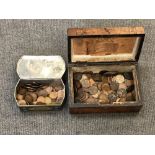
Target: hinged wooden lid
105	44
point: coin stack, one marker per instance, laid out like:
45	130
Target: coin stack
103	88
38	94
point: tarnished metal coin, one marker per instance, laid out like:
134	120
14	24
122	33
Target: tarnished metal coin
121	93
128	75
61	94
119	78
93	90
112	97
48	89
114	86
85	83
82	96
122	86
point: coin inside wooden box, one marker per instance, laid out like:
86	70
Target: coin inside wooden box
103	75
105	87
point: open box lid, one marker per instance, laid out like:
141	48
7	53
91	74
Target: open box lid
40	67
105	44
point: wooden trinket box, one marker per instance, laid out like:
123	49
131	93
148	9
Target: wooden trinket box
41	85
102	70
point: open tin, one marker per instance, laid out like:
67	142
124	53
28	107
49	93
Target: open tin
40	86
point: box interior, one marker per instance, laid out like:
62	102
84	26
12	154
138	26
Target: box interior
30	86
110	68
104	49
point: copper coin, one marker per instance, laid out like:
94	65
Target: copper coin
97	94
34	95
129	97
53	95
104	79
114	86
42	93
119	78
103	98
41	99
22	91
77	76
91	81
99	85
91	100
85	83
19	97
48	89
121	93
93	90
112	97
61	94
48	100
58	87
28	99
122	86
82	96
22	102
106	87
129	82
130	88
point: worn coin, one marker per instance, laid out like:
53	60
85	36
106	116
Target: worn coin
103	99
48	100
93	90
121	92
42	93
91	100
85	83
53	95
129	82
19	97
119	78
41	100
112	97
34	95
28	99
22	91
114	86
22	102
97	77
97	94
122	86
106	87
48	89
91	81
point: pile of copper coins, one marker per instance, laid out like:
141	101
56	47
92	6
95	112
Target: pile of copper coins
104	87
40	94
